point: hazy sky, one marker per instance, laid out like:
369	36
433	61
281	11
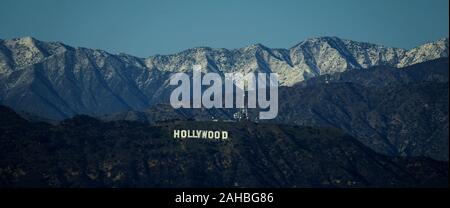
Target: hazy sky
144	28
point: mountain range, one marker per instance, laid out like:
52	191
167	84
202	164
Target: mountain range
57	81
351	114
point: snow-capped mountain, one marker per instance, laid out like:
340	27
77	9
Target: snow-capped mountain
56	81
316	56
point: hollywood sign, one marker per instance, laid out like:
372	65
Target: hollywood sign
200	134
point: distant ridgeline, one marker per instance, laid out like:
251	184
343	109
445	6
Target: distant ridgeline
62	81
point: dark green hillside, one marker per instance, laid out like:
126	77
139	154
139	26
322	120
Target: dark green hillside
86	152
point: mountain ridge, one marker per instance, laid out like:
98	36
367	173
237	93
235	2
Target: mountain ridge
58	47
62	81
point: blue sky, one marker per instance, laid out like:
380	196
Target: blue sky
144	28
